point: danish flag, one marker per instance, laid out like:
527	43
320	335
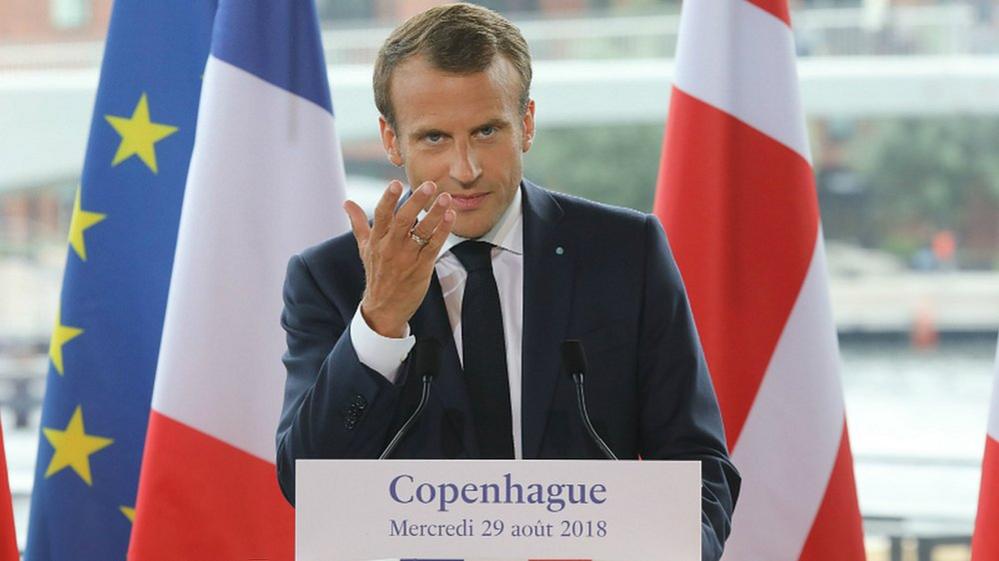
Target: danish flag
985	543
736	195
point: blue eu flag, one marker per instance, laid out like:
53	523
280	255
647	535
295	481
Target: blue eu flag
122	235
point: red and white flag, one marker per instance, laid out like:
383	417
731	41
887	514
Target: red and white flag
266	180
8	539
737	198
985	542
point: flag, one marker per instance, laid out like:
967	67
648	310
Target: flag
985	541
107	329
736	195
266	180
8	538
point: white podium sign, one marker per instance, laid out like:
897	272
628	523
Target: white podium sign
357	510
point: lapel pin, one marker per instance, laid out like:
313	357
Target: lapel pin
559	250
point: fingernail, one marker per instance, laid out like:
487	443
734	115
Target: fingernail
444	200
427	188
395	187
449	216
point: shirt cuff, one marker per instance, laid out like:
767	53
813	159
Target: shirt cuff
384	355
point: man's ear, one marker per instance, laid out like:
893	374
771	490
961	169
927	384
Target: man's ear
528	126
390	142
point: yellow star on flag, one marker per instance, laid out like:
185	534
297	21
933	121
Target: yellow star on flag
61	334
73	447
80	221
129	512
139	135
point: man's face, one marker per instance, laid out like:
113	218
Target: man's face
465	133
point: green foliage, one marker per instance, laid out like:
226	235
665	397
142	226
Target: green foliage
929	170
920	176
611	164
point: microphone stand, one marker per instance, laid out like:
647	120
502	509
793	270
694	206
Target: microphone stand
574	360
427	357
410	421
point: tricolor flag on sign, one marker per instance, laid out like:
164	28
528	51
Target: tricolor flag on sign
985	542
737	198
266	180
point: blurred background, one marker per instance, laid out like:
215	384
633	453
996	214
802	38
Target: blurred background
902	98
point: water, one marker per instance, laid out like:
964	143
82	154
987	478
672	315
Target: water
917	423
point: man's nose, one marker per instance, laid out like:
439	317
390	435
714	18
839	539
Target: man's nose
464	165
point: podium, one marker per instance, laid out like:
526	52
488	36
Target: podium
497	510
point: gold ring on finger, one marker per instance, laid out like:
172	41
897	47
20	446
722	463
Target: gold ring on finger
418	238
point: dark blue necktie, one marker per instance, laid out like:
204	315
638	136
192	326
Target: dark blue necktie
484	351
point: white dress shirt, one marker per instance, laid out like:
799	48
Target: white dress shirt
385	355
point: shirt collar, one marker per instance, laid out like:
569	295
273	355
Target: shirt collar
507	233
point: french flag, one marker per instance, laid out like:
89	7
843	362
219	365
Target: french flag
266	179
8	545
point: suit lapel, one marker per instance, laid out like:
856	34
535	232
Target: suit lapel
430	320
547	300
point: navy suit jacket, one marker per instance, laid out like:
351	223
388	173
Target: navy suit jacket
613	285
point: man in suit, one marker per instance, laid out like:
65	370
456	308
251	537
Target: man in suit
500	272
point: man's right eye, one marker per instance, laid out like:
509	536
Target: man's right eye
434	137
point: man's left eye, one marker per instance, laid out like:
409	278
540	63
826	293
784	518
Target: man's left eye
487	131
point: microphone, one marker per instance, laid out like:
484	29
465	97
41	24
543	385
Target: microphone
426	358
574	362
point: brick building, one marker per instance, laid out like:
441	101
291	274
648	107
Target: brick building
53	20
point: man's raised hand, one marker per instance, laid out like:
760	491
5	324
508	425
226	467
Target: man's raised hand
399	253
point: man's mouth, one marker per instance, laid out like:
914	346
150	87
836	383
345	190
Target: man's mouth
468	202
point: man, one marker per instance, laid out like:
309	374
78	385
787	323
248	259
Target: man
500	272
